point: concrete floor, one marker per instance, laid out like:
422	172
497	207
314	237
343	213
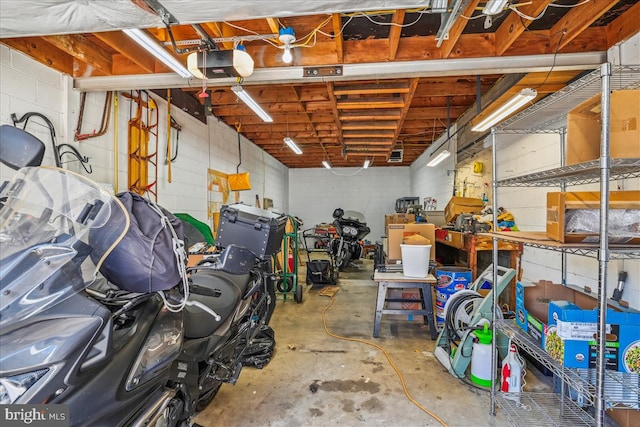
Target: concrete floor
318	380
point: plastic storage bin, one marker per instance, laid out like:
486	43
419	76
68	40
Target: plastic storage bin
415	260
258	230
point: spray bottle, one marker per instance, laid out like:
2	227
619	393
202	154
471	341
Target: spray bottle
512	372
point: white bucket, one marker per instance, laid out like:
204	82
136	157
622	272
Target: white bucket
415	260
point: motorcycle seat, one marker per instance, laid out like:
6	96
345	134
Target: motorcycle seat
221	292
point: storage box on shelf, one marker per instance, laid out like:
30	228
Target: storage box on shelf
532	306
258	230
584	128
398	218
458	205
573	217
397	232
571	337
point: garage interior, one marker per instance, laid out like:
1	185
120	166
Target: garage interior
383	108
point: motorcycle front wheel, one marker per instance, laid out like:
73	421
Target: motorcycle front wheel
205	398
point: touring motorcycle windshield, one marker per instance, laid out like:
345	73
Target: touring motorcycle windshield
56	229
354	215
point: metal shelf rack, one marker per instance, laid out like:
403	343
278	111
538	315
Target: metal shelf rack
544	409
549	116
581	173
539	240
621	389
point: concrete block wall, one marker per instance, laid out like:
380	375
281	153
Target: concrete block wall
29	86
315	193
435	182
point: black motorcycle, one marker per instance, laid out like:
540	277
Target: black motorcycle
347	246
116	356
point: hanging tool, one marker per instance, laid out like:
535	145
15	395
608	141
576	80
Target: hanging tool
617	292
168	158
79	136
239	181
52	131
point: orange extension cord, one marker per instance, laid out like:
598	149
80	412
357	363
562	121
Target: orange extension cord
393	365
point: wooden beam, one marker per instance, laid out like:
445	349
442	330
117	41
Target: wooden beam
273	25
131	50
456	30
82	49
382	124
369	133
220	30
408	97
577	20
369	141
370	115
366	103
334	108
513	25
395	32
372	89
337	37
624	26
43	52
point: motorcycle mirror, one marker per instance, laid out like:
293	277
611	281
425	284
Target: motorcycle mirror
338	213
19	148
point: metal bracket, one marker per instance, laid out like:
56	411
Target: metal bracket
332	70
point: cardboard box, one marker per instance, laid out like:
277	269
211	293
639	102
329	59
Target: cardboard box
575	343
584	127
625	417
532	304
587	203
458	205
397	232
398	218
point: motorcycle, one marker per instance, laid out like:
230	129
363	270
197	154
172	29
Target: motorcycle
116	356
347	246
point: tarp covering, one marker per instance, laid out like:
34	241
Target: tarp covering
19	18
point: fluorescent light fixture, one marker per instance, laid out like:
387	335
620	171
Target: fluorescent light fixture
291	143
326	164
524	96
493	7
251	103
144	40
367	162
439	6
439	158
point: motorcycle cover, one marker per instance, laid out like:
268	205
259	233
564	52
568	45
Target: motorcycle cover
145	261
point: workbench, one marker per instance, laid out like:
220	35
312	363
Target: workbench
475	252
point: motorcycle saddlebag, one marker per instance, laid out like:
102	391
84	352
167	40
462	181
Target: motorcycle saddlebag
256	229
320	272
144	260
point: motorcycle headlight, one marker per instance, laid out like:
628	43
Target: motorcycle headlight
350	231
161	346
11	388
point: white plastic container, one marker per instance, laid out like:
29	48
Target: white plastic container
415	260
512	372
481	371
